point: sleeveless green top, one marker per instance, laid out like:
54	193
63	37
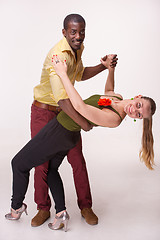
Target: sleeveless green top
71	125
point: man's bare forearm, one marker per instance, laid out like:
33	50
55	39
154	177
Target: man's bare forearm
66	106
90	72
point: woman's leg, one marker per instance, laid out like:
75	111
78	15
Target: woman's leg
43	147
56	186
37	151
55	182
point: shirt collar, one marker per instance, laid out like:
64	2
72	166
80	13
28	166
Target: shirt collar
66	47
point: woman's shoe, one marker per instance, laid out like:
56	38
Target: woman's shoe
18	213
61	221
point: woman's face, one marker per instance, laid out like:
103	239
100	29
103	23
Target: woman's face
138	108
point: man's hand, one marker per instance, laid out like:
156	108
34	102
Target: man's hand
88	127
109	60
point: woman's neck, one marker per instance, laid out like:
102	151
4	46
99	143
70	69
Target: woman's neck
120	105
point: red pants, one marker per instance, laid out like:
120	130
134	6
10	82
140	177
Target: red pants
39	118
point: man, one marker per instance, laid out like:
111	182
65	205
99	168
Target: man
50	98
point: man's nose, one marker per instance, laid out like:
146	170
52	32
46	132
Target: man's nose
77	36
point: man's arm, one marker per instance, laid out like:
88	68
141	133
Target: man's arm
90	72
67	107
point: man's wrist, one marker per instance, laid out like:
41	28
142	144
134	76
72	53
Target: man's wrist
103	67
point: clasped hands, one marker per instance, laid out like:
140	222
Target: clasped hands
109	61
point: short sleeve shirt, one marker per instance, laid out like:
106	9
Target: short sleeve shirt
51	90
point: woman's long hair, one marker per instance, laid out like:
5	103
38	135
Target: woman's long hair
147	153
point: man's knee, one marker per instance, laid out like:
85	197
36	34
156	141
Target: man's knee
42	170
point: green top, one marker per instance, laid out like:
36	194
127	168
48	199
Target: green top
71	125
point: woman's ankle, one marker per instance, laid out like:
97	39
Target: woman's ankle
15	213
59	213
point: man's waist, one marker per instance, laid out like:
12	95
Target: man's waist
46	106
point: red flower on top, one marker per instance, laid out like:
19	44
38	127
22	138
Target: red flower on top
104	102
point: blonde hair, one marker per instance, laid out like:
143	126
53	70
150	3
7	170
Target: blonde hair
147	153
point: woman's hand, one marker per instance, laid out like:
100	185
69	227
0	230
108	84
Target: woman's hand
110	61
59	66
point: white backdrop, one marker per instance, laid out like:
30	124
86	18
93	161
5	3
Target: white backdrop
129	28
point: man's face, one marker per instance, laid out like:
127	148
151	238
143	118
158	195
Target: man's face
75	34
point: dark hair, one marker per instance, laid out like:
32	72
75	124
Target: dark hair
73	17
146	152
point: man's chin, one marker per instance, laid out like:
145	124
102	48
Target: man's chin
77	47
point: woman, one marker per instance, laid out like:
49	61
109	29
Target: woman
108	110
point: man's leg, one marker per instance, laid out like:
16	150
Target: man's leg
41	195
39	118
77	161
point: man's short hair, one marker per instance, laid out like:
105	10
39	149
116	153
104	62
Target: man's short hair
73	18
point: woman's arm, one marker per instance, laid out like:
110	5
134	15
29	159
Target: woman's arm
104	118
109	86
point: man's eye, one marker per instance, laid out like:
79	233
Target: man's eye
73	32
139	105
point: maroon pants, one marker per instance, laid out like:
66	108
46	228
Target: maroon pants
39	118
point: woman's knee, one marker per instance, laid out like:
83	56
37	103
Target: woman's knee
16	163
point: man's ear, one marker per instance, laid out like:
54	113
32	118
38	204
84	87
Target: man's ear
64	32
138	96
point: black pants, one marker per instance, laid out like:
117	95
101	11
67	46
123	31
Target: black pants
51	144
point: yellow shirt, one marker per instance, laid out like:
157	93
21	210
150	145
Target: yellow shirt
51	90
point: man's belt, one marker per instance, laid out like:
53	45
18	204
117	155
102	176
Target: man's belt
46	106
